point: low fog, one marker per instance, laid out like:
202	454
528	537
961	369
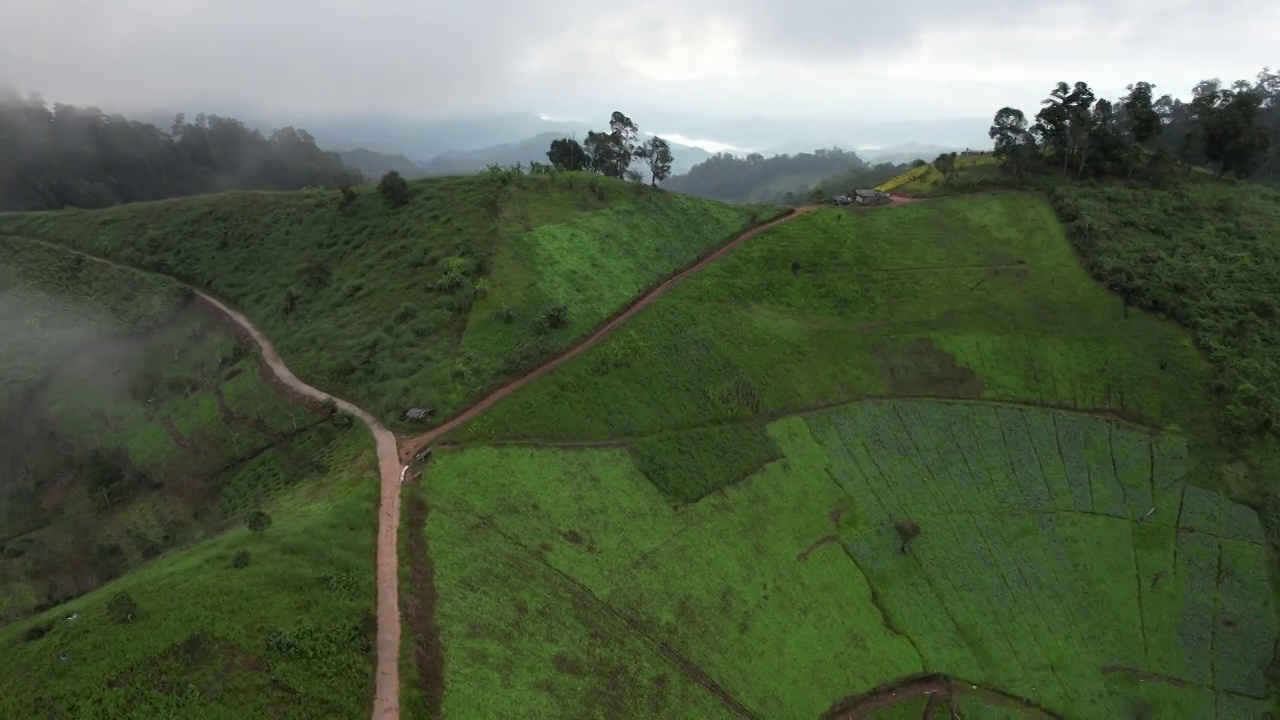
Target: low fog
58	354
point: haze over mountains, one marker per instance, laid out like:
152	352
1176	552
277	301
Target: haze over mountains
443	146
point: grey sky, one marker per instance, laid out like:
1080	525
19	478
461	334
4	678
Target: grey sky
911	58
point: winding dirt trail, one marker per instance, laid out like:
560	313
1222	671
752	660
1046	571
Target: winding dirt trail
392	460
410	446
386	698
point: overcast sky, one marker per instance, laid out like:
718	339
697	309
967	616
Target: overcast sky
885	61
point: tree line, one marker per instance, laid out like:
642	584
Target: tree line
61	155
613	152
1229	128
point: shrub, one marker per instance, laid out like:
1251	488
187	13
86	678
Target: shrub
346	197
557	317
257	521
394	189
908	530
240	559
122	607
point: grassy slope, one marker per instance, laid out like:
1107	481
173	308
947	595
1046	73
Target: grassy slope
372	322
288	636
790	591
1208	254
979	298
110	363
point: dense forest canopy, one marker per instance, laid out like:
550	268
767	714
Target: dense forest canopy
51	157
1229	128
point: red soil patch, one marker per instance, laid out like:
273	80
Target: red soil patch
427	652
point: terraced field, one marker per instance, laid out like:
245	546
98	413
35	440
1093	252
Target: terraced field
1059	557
866	448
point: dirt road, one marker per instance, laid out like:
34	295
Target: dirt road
386	698
410	446
386	701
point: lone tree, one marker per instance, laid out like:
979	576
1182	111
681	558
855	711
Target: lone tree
908	530
945	164
657	154
394	189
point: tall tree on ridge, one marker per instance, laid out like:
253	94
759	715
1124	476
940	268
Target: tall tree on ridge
657	153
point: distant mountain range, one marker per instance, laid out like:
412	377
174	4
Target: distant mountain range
375	164
417	147
461	162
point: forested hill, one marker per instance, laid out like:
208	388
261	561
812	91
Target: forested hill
51	157
376	164
756	178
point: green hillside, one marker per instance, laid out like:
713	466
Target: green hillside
1022	440
133	423
876	443
138	437
434	302
271	624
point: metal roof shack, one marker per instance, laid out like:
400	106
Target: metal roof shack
416	413
865	196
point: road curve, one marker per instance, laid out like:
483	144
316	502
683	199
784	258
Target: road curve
386	697
411	446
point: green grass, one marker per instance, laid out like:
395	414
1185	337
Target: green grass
287	636
978	297
1207	254
1032	572
1035	572
134	424
432	303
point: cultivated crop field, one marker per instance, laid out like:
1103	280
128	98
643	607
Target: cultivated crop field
1059	557
431	303
979	297
972	173
1063	555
